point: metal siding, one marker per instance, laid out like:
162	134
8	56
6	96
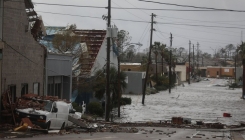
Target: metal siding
58	65
134	82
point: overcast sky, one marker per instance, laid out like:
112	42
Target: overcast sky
208	38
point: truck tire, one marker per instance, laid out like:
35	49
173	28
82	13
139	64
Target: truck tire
48	125
63	126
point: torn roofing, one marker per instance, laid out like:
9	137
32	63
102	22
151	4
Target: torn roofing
29	4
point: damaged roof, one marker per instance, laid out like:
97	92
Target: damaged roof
29	4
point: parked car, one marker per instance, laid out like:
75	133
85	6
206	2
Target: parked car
54	115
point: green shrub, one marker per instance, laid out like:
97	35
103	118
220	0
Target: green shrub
161	88
76	107
95	108
126	101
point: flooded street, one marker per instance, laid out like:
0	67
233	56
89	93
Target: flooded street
198	101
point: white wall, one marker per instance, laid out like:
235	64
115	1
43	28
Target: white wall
182	70
100	61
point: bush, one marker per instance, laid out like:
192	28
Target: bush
161	88
95	108
126	101
76	107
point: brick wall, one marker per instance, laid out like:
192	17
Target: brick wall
221	72
16	69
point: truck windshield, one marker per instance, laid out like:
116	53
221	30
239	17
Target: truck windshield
48	106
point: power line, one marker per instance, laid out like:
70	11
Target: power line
202	31
67	5
191	38
217	22
190	6
140	21
209	26
144	33
127	8
129	12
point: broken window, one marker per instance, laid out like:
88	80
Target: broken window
36	88
12	90
24	89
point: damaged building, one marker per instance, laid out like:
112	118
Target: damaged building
22	57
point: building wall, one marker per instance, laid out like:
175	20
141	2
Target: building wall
59	75
214	72
134	82
181	69
16	69
127	67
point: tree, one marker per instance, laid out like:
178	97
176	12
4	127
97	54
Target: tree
241	50
206	55
66	42
180	51
100	84
130	53
229	48
123	40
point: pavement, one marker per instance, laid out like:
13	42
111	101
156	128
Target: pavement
149	133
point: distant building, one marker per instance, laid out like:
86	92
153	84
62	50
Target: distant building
131	67
135	82
59	76
218	72
95	58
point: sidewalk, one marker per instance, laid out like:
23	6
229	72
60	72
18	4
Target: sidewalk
237	136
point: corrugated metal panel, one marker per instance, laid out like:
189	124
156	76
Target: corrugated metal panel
135	82
59	65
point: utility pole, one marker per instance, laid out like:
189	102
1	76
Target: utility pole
193	59
170	63
149	58
108	98
189	81
119	85
202	62
235	64
197	56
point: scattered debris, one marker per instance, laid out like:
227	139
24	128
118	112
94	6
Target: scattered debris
227	115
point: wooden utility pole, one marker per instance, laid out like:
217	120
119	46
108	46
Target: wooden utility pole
108	98
149	58
156	65
119	85
197	56
193	59
189	81
235	64
170	63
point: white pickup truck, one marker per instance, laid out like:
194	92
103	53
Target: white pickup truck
54	115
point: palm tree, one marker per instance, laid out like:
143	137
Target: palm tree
100	84
241	50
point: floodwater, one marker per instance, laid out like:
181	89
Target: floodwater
198	101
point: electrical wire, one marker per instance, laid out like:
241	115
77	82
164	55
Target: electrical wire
129	11
127	8
197	39
216	22
208	26
190	6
